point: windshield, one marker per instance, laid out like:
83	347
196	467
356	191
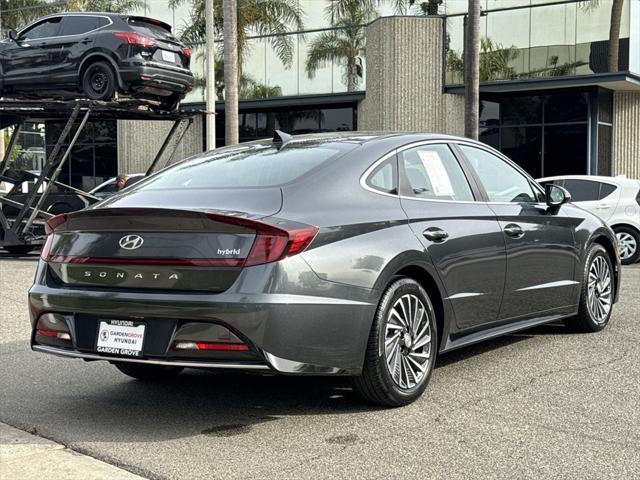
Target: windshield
247	166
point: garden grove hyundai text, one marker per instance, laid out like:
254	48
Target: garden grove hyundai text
334	254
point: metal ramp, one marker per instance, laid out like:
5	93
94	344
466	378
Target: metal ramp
24	232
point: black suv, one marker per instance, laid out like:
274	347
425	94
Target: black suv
97	54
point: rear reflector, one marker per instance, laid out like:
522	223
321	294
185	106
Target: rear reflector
211	346
53	334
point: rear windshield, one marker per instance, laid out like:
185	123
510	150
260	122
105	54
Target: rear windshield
247	166
148	27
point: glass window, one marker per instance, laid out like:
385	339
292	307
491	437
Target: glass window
522	110
247	166
45	29
566	107
523	145
605	148
76	25
502	182
582	190
433	172
336	119
149	27
384	177
606	189
565	150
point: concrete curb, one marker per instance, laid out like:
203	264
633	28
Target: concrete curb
29	457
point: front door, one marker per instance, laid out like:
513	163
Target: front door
541	252
461	236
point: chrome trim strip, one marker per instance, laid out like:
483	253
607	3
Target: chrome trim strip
560	283
91	356
290	366
463	295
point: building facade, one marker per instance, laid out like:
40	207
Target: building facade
549	98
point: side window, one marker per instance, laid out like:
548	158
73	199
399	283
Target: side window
77	25
48	28
582	190
606	189
433	172
384	178
502	182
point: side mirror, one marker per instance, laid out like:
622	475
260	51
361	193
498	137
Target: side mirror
555	195
13	35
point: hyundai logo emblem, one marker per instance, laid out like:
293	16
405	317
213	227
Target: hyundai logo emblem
131	242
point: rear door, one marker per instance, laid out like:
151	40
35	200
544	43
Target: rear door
461	235
76	38
540	246
599	198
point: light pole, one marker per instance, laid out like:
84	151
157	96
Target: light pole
210	76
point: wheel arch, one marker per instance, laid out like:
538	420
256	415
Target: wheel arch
97	56
626	225
608	243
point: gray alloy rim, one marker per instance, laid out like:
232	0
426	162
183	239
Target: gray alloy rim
627	245
599	289
407	342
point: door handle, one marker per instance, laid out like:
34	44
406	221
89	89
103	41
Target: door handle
603	207
85	40
435	234
514	230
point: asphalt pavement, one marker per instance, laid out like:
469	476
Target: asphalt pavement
544	403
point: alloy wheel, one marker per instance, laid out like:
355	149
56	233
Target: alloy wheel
407	343
627	245
599	289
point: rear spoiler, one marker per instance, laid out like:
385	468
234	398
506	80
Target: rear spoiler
160	23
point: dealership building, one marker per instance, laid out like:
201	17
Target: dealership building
548	99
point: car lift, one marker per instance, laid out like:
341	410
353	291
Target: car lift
18	234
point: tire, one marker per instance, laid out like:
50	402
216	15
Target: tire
593	313
377	385
629	244
99	81
148	372
19	249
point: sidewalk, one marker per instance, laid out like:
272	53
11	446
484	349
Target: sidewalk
28	457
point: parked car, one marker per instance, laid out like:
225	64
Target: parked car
109	187
97	55
614	199
329	254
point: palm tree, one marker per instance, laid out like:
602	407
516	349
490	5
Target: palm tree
495	61
263	17
472	71
103	5
231	75
17	13
346	42
614	30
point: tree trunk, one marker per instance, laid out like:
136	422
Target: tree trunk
230	27
614	34
472	71
351	74
210	77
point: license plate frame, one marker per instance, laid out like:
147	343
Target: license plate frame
168	56
122	338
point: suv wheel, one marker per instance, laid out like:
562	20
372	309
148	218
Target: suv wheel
629	244
147	372
596	297
402	347
99	81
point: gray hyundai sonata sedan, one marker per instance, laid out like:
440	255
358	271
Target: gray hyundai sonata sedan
362	255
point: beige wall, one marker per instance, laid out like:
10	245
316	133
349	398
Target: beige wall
626	134
405	79
140	141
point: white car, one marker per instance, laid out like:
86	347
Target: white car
614	199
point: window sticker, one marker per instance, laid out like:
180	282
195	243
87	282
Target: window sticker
437	173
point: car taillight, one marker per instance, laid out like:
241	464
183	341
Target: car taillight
49	229
187	52
136	39
272	243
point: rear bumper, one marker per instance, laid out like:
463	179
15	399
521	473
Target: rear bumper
289	333
139	77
